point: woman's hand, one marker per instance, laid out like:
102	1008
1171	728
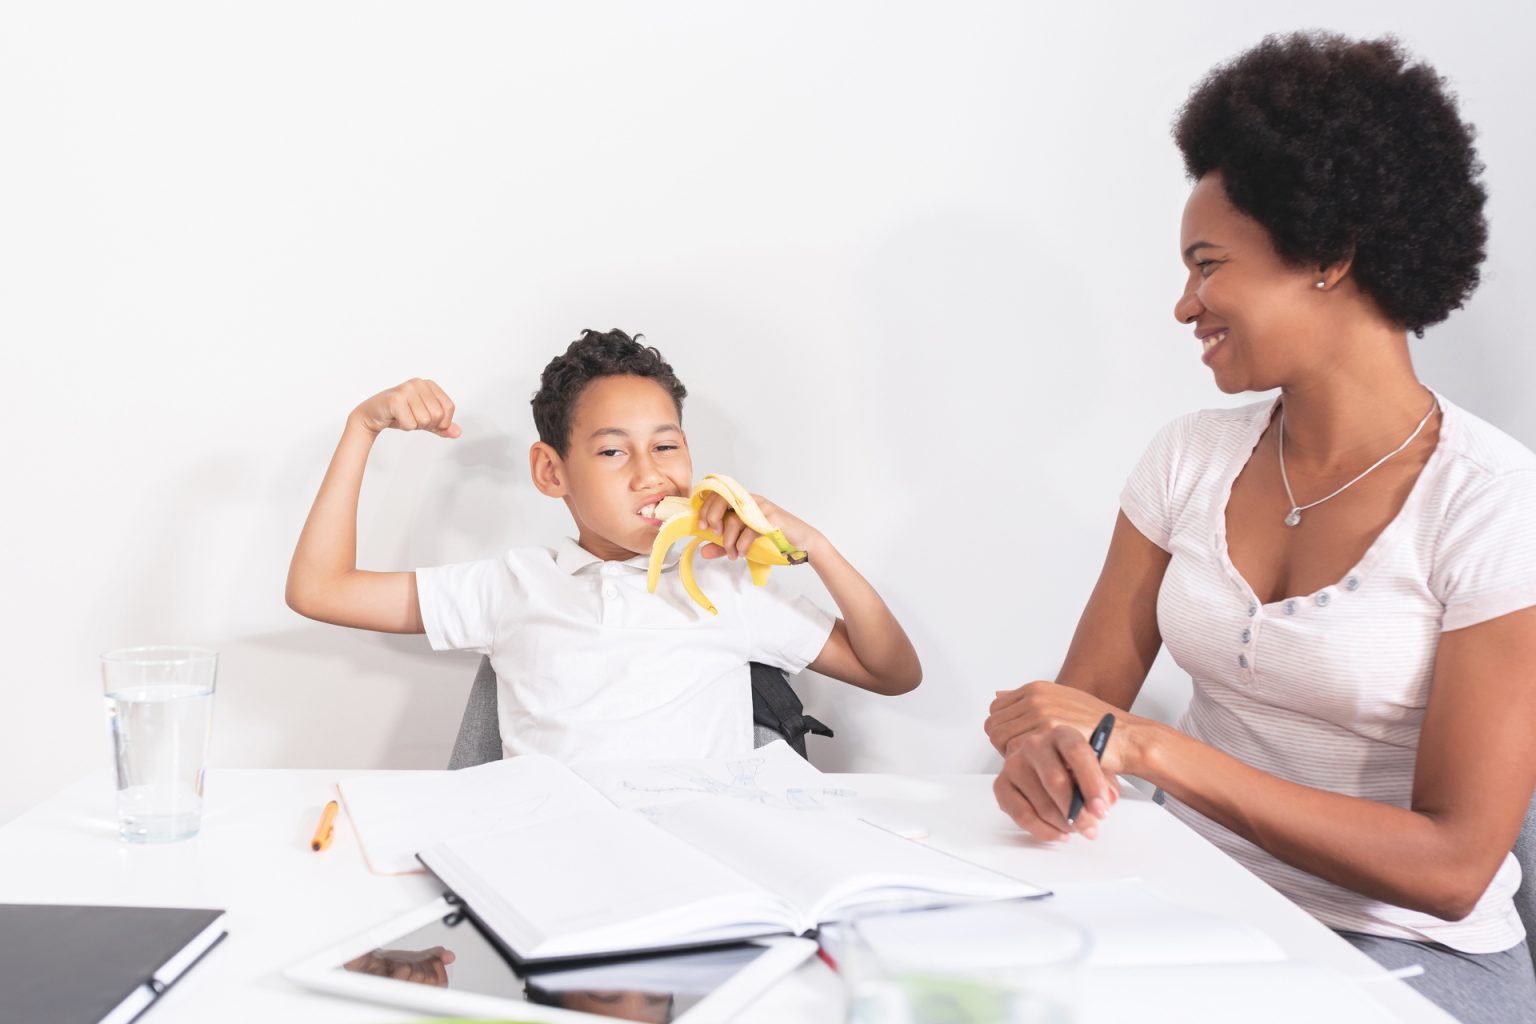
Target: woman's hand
1042	730
1016	712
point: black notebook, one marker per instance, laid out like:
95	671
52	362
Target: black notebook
96	965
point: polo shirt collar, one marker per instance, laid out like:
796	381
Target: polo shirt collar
572	558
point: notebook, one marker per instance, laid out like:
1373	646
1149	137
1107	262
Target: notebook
606	858
96	965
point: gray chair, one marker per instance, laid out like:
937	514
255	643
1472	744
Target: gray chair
776	715
1525	896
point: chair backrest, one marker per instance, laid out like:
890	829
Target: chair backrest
1525	896
776	715
479	738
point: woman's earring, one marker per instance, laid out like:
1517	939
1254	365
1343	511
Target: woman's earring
1322	284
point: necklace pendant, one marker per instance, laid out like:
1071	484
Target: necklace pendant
1294	517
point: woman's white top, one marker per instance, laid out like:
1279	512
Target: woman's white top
1328	689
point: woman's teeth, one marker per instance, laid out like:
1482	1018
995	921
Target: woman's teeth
1211	341
649	512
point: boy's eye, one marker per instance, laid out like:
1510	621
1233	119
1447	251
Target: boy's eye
667	447
611	451
1206	266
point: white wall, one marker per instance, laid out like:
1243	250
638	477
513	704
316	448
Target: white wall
916	264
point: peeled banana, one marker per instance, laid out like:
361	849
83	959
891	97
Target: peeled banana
680	518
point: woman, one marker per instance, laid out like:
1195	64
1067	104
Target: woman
1347	571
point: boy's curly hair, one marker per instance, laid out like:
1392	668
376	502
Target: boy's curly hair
1345	148
595	354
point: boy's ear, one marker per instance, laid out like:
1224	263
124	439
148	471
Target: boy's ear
548	470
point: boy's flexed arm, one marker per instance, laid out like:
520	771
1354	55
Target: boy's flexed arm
868	647
324	581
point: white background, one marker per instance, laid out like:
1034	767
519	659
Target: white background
915	263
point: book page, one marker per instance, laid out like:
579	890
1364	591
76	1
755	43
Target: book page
601	881
825	862
397	815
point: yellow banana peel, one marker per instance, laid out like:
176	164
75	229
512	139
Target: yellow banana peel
681	519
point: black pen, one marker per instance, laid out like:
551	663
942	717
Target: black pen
1098	741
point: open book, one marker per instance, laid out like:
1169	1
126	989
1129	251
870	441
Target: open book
617	857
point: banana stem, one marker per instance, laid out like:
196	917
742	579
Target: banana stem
794	554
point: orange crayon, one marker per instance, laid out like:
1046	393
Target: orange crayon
326	828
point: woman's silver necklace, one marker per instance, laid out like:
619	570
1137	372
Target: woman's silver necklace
1293	517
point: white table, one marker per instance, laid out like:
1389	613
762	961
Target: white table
285	901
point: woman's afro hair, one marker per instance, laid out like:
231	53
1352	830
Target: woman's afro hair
1347	149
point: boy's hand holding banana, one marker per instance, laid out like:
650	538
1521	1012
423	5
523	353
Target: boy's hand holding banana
728	522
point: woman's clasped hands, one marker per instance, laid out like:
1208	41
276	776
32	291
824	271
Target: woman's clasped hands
1042	731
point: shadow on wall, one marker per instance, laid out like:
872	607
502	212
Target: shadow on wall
1469	359
323	697
319	695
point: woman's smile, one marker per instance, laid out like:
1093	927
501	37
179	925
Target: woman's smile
1210	341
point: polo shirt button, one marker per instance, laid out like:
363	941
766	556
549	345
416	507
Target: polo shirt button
1247	635
610	591
1242	660
1253	610
1323	599
1290	608
1352	583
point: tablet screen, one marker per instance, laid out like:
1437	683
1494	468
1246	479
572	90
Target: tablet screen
459	958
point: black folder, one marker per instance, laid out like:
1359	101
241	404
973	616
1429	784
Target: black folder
89	965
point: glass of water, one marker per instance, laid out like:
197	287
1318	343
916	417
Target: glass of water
159	707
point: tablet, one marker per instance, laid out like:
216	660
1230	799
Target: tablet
435	959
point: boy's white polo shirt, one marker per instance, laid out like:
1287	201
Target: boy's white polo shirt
591	665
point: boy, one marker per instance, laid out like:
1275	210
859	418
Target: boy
589	664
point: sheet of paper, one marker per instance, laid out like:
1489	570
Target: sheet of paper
1125	923
1133	925
397	815
1269	993
771	776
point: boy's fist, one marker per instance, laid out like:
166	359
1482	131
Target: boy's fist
415	405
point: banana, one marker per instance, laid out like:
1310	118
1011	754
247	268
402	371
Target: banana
681	519
666	508
685	570
672	531
740	499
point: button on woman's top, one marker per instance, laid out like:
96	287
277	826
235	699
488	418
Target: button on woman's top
1328	689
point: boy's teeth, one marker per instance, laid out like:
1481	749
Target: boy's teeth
649	511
